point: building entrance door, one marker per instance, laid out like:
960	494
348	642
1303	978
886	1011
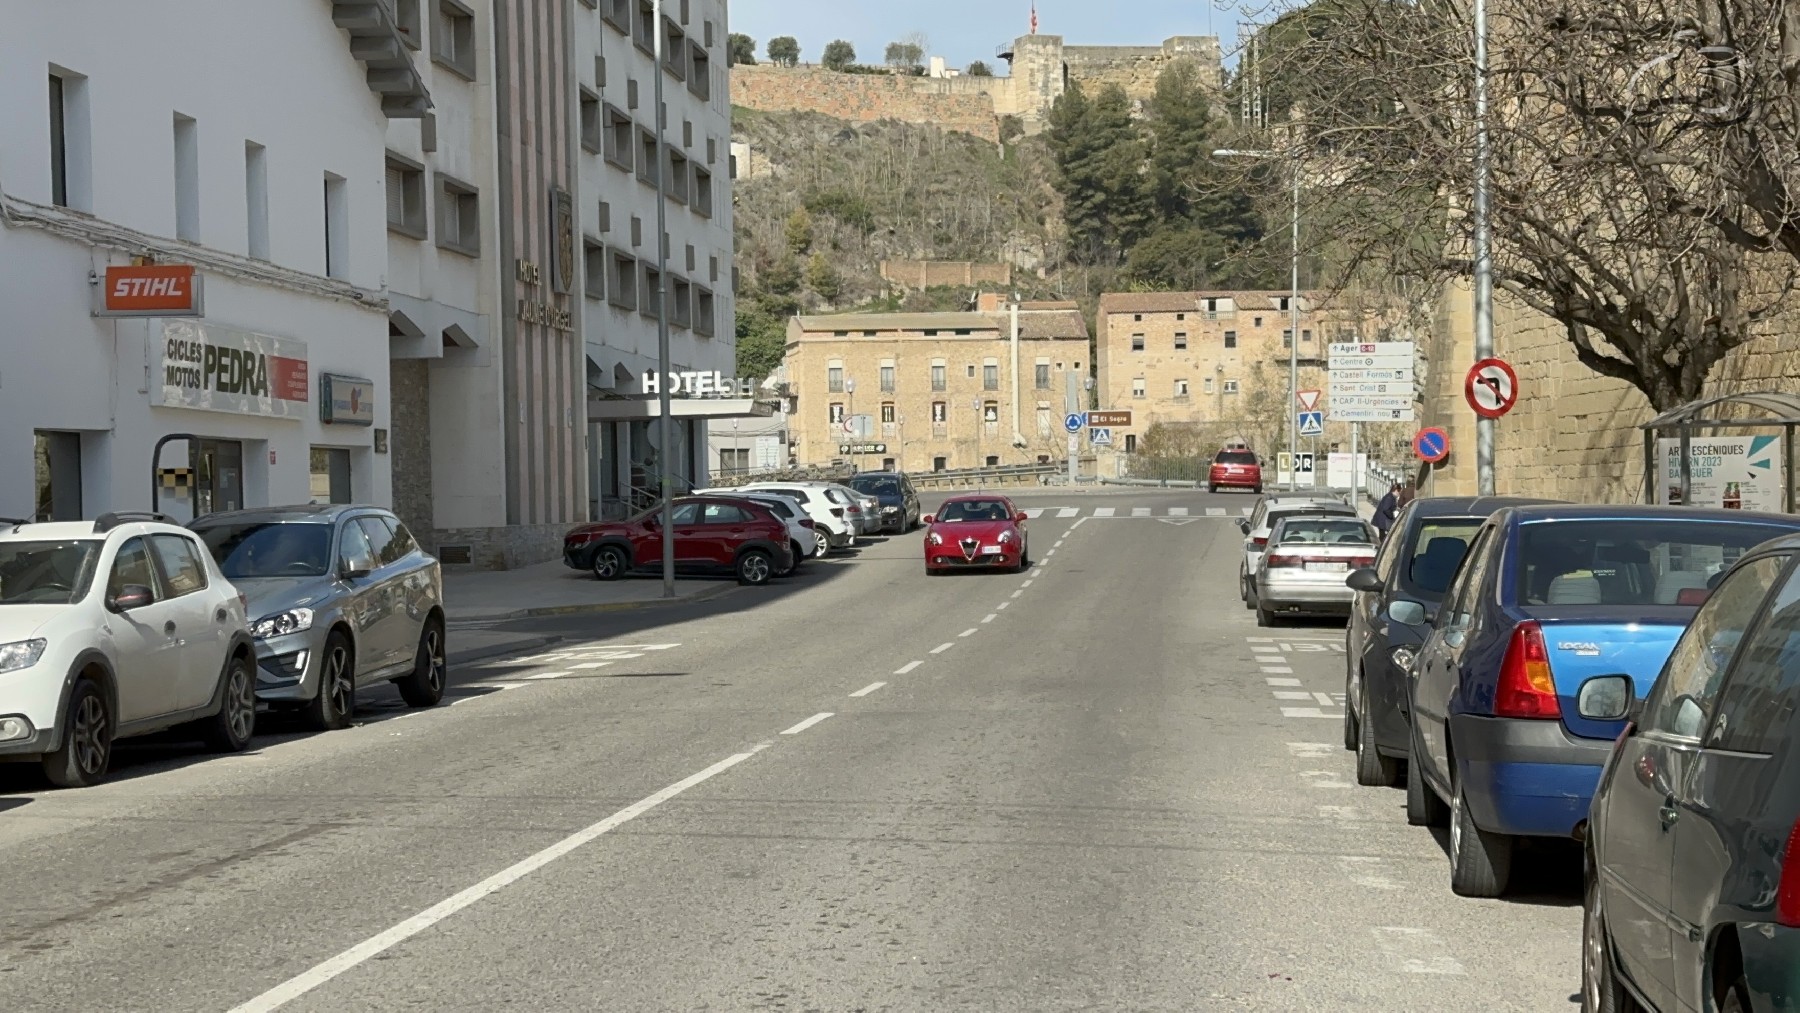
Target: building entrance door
218	476
330	475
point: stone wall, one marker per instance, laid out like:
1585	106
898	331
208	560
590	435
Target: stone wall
409	385
922	274
506	548
865	98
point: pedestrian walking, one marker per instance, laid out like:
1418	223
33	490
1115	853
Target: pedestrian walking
1387	510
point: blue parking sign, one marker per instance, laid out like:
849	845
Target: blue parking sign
1074	421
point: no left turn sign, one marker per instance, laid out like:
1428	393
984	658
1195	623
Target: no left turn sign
1492	388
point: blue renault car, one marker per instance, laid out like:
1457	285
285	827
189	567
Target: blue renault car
1548	598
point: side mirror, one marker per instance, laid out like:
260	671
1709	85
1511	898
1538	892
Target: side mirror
1364	579
928	519
351	569
1020	518
1606	698
131	596
1407	613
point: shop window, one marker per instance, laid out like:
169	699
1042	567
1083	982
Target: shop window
330	475
58	476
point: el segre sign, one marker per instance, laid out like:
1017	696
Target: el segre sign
222	369
153	290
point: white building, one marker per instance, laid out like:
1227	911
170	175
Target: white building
122	138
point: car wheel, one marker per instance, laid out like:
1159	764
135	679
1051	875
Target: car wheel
1351	718
1025	558
232	728
424	686
86	750
1736	998
1372	769
1480	862
821	543
609	563
1257	490
1263	616
755	568
799	557
1212	488
1423	807
335	702
1600	988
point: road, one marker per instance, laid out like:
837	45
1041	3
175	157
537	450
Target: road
1094	786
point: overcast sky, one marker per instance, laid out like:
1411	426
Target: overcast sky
965	30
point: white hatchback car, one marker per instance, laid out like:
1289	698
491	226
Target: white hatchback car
113	628
833	528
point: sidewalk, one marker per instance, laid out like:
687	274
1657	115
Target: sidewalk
475	601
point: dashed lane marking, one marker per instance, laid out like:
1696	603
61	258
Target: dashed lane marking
1140	511
1309	712
1178	511
1027	583
1002	606
870	688
941	648
909	666
1215	511
971	631
990	617
1103	511
1292	694
808	723
1325	778
1277	670
1067	512
1282	682
1017	593
1035	512
556	675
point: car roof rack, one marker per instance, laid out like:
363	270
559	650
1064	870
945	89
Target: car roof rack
108	521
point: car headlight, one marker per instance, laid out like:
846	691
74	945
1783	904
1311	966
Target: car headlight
291	621
21	654
1006	536
1403	658
935	538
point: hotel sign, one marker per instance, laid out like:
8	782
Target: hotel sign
701	384
222	369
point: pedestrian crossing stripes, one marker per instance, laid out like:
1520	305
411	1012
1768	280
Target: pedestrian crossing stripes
1069	513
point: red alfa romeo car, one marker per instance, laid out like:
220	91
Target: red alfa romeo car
976	530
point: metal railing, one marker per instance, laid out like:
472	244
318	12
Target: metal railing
1003	474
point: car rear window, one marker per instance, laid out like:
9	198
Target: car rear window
876	485
269	548
1629	562
1440	547
1235	457
1323	531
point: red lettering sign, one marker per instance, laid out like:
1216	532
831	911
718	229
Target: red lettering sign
156	289
287	378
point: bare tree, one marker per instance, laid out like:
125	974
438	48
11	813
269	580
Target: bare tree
1601	217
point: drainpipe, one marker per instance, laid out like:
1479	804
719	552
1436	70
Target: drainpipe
1018	437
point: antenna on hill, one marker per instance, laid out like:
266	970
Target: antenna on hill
1034	17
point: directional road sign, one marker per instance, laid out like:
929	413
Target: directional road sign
1100	436
1110	420
1312	423
1074	421
1431	444
1371	381
1492	388
1309	399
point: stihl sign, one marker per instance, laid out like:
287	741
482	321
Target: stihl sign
156	290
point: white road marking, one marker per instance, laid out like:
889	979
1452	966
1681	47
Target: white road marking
1292	694
381	942
1416	951
1052	552
1311	750
941	648
1002	606
1282	682
1015	594
1308	712
971	631
1215	511
1035	512
1178	511
1140	511
1366	871
1324	699
1026	584
1077	524
909	666
593	664
1347	813
990	617
808	723
1277	670
1102	512
870	688
1067	512
550	675
1325	779
1265	648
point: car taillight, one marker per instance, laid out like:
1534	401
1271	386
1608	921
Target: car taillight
856	509
807	522
1260	542
1361	561
837	511
1526	689
1787	895
1279	559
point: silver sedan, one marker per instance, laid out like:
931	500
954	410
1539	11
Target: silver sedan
1302	570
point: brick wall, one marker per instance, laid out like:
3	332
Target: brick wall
865	98
921	274
409	384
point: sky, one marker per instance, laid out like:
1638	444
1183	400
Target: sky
962	31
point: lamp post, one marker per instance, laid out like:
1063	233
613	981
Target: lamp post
666	426
1293	405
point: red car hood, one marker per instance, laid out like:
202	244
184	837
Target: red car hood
987	532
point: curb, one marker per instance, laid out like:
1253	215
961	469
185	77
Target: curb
591	608
481	654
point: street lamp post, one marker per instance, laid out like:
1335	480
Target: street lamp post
1293	406
666	425
1484	264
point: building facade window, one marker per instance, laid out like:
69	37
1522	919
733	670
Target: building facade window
337	227
837	413
593	268
887	378
1131	443
1181	388
939	380
887	413
405	197
187	178
990	413
1180	341
1137	387
1230	339
834	379
459	217
1231	386
1137	342
990	376
1287	339
256	200
453	38
1041	376
940	412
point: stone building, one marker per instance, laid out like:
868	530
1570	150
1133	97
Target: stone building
1043	67
933	391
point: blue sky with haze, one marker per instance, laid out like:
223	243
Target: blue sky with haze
965	30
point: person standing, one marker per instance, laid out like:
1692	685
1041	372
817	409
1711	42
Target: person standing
1387	510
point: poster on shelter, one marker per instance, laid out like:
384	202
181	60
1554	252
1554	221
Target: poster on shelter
1730	472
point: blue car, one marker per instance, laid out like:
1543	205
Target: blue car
1548	598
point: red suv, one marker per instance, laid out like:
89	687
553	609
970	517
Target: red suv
1236	469
712	534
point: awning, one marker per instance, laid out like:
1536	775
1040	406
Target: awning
611	409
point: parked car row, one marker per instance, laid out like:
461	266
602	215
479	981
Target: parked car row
129	625
1624	677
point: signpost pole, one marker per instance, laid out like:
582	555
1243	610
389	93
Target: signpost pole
1072	388
1355	475
1294	332
666	425
1484	264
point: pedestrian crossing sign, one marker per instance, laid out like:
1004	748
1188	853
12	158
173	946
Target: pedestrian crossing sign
1312	423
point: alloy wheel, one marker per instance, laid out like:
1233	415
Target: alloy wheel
438	668
756	569
89	731
337	684
1593	951
241	699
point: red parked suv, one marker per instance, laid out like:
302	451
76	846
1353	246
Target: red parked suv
1236	469
712	534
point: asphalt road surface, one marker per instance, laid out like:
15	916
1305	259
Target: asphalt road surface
1094	786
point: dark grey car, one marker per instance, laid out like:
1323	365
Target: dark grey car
1395	602
339	596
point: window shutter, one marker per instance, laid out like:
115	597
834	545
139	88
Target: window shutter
396	196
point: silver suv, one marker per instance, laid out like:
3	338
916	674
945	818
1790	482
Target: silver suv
339	597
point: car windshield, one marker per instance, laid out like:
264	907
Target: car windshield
46	573
1629	562
1438	551
1235	457
973	510
270	548
1322	531
876	485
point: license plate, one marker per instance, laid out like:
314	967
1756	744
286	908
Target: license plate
990	548
1328	567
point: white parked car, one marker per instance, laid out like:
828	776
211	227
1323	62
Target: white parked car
1269	510
802	531
113	628
834	528
864	509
